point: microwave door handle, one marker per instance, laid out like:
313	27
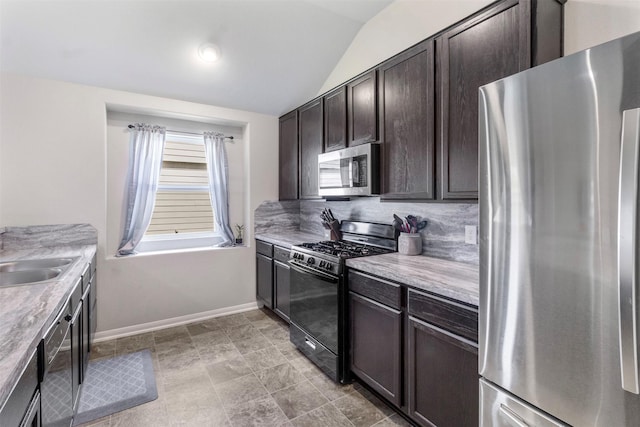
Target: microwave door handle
628	250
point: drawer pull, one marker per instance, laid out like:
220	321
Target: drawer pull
310	343
512	416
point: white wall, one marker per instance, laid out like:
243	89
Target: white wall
406	22
54	170
401	24
589	23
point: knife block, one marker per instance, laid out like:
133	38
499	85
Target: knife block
332	231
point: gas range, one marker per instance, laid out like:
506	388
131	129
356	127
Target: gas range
318	292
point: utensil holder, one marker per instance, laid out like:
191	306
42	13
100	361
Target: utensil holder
410	244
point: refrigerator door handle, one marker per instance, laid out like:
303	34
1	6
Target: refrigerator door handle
628	250
512	417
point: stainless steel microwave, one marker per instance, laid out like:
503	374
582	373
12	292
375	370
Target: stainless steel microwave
352	171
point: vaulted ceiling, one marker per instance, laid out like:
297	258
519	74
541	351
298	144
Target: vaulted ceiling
275	54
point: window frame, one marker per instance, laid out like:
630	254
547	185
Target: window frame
187	240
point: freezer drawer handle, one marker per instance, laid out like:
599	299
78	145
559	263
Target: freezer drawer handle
512	417
628	250
310	343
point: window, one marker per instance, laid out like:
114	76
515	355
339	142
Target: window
182	216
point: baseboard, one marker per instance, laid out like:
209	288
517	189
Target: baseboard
174	321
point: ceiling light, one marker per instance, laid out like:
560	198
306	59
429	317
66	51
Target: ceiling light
209	52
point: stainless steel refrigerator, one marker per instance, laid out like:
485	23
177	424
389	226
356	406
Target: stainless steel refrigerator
559	320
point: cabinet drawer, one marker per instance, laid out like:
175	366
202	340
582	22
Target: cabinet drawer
281	254
264	248
451	316
379	290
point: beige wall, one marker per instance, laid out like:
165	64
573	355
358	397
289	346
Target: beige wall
589	23
401	24
406	22
55	168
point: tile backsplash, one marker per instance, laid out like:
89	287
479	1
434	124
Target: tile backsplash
444	236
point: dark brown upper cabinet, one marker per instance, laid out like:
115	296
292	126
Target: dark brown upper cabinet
335	119
288	159
406	90
310	130
509	37
362	101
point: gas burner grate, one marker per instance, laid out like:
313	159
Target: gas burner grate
344	249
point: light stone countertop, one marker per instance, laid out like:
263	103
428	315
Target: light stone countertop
451	279
27	311
289	238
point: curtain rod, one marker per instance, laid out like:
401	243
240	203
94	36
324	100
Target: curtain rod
183	132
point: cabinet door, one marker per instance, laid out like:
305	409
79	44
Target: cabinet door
86	329
281	281
288	159
310	146
407	124
264	279
480	51
443	377
335	119
362	108
376	340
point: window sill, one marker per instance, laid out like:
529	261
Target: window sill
179	251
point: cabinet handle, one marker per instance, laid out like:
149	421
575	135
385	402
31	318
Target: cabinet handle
311	344
512	417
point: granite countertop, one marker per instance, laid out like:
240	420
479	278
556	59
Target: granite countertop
289	238
27	311
451	279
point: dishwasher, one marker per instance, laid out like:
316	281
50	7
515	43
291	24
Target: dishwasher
56	388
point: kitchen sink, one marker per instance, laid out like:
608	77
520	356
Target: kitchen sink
24	277
34	264
24	272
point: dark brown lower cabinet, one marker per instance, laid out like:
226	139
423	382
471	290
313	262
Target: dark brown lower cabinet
443	377
264	279
272	278
376	342
281	289
416	350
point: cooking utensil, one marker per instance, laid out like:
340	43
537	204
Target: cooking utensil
412	222
421	225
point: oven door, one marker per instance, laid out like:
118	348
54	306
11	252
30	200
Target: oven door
314	315
314	304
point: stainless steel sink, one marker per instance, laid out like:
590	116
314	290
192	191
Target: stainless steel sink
24	277
25	272
34	264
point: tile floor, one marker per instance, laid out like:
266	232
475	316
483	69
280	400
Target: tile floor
240	370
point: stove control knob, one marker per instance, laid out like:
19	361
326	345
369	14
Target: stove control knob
328	266
322	264
311	261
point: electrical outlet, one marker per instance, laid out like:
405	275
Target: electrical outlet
471	234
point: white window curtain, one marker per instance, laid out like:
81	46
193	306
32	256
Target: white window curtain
218	170
146	145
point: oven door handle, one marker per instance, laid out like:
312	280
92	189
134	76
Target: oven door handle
318	274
